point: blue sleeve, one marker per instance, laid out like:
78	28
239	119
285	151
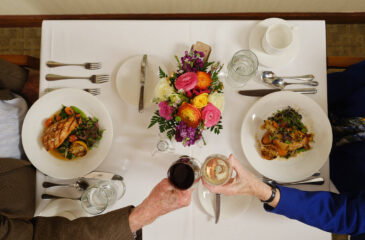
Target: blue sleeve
337	213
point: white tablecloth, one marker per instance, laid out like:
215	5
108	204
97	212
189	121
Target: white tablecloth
112	42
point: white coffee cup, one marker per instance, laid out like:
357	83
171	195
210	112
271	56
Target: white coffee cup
278	38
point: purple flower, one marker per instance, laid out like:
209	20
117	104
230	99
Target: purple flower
187	135
192	61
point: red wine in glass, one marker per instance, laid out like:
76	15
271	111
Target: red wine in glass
183	173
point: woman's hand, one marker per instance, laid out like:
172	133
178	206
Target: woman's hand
244	183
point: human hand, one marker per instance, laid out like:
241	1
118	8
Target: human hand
163	198
243	183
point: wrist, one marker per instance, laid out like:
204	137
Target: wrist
140	217
265	192
261	190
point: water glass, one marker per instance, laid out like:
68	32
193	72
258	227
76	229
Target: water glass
242	67
102	195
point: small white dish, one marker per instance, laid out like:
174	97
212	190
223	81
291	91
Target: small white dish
33	127
231	206
272	60
128	79
304	164
67	208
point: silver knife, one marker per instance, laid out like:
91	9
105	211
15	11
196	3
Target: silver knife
103	176
263	92
217	207
142	80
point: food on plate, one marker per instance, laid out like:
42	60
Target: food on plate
69	133
285	135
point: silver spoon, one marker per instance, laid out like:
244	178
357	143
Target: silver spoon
49	196
269	76
280	83
311	181
80	185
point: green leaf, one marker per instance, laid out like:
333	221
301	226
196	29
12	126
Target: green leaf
162	73
63	114
178	61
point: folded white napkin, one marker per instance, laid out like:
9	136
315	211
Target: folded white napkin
12	113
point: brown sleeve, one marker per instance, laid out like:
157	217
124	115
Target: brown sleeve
112	225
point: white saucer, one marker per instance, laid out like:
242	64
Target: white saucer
231	206
67	208
128	79
264	58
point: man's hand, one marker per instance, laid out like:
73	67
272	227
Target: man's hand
163	198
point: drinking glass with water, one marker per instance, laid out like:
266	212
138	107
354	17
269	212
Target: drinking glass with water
102	195
242	67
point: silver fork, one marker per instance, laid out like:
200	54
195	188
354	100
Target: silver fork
93	78
91	66
93	91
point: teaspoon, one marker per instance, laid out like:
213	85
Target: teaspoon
311	181
269	76
280	83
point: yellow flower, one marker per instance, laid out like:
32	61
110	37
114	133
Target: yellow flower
163	90
217	99
201	100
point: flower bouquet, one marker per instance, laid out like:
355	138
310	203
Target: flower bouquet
190	99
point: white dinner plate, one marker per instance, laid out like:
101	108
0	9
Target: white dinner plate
304	164
128	79
271	60
32	131
231	206
70	209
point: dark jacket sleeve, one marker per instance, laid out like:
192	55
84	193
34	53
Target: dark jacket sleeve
112	225
337	213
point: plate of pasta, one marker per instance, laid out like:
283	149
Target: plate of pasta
286	136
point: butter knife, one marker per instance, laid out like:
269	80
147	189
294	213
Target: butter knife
263	92
217	207
142	80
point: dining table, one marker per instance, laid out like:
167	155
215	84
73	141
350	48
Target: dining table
112	43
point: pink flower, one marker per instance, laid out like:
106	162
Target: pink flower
187	81
165	110
211	115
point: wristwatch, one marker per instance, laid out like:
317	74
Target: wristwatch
273	186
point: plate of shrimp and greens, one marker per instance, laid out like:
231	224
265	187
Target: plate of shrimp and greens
286	136
67	133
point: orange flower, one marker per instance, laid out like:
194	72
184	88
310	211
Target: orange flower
189	114
204	80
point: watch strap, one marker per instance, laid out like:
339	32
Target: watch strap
272	184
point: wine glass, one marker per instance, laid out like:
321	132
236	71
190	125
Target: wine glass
163	145
216	170
184	172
